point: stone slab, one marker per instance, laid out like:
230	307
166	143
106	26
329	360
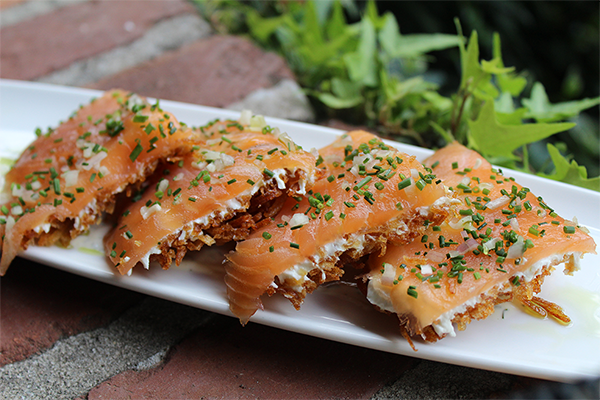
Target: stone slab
40	305
226	360
214	72
49	42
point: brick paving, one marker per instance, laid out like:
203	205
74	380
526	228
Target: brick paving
64	336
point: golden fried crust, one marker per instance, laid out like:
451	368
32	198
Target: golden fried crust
485	307
232	225
375	242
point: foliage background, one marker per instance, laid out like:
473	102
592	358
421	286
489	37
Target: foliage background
408	96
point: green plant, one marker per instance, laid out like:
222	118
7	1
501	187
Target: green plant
367	72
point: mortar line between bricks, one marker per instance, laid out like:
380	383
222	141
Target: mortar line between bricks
31	9
139	340
167	34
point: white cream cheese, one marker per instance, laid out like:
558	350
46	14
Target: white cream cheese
379	295
295	277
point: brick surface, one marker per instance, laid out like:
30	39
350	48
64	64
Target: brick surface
4	4
225	360
39	305
213	72
38	46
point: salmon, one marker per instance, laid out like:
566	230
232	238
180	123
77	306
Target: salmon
371	194
498	244
221	190
68	176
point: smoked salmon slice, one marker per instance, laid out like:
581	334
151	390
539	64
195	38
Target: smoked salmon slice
498	244
68	176
221	190
371	194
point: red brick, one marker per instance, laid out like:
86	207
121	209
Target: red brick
39	305
344	126
41	45
4	4
214	72
225	360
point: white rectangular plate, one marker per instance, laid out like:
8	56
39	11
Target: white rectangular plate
509	341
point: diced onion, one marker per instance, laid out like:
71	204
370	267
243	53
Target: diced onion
94	161
257	123
17	190
178	177
389	274
299	219
478	163
163	185
486	185
465	181
10	222
103	170
490	244
88	151
211	155
426	270
148	211
199	164
286	140
71	177
454	253
499	202
469	245
517	249
16	210
436	256
514	224
465	222
245	117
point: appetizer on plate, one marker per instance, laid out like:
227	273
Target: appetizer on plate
371	194
221	190
498	245
68	176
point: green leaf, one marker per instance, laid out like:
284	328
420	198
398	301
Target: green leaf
361	64
445	134
511	118
472	73
490	137
372	15
262	28
541	109
389	35
570	172
336	102
311	30
336	25
419	44
509	81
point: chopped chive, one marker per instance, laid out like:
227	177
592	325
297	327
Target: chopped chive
411	291
267	235
294	245
569	229
268	172
136	152
404	184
